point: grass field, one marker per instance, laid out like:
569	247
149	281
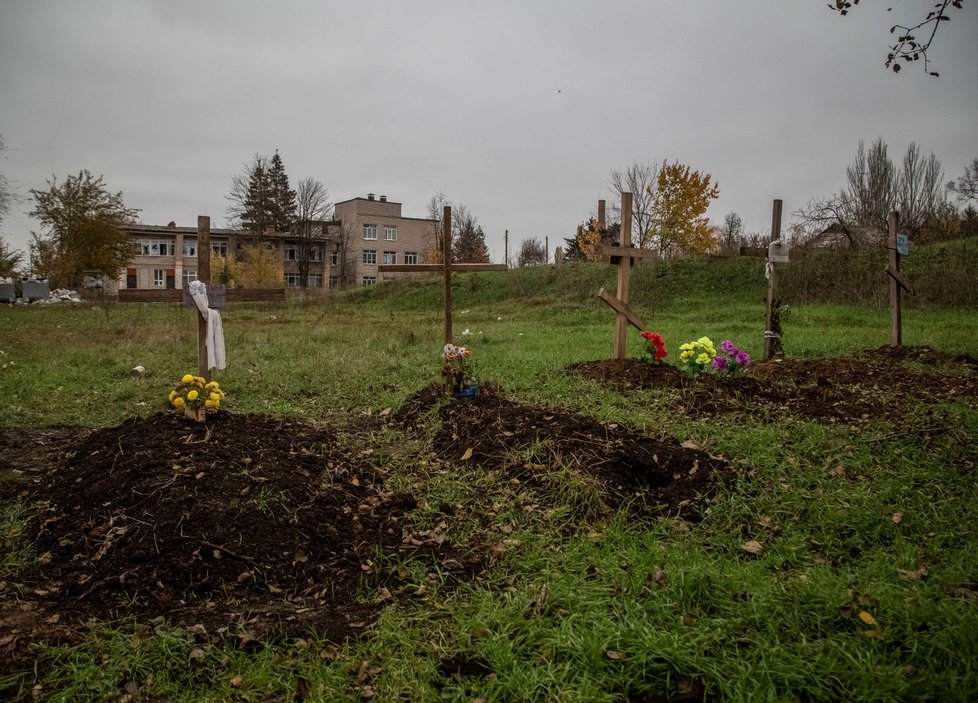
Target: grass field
577	608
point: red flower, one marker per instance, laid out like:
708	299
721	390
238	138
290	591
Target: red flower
657	344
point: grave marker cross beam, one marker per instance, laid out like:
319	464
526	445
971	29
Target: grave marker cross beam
216	295
446	267
624	257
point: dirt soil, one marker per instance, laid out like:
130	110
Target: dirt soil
249	526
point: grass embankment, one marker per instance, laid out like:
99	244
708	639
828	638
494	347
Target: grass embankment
847	601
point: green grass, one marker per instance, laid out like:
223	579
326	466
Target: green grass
577	605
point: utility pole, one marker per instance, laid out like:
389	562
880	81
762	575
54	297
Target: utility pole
506	245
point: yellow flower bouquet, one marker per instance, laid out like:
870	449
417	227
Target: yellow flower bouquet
195	396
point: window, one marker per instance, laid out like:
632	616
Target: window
290	252
158	277
370	231
190	247
390	257
410	257
291	280
334	281
334	258
370	257
315	280
220	248
369	280
390	233
156	247
188	276
314	253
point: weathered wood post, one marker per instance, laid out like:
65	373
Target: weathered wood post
623	256
204	276
624	275
446	267
770	322
899	245
896	317
446	223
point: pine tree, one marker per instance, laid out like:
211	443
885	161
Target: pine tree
282	200
256	213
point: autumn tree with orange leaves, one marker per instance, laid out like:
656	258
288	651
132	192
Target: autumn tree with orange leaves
678	207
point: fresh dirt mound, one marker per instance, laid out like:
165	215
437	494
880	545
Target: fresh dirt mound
529	443
849	390
247	523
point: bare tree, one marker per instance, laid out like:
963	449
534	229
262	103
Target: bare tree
730	232
640	180
7	195
532	253
343	246
310	230
871	193
921	195
875	189
433	237
966	187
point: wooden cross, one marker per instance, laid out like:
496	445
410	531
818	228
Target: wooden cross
624	257
216	295
898	244
446	267
772	319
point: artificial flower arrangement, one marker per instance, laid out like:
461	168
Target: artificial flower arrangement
196	396
701	356
454	363
731	361
695	357
654	348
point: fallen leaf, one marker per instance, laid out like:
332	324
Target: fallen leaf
766	521
914	575
45	558
897	518
873	634
866	618
615	655
690	444
467	455
236	682
752	547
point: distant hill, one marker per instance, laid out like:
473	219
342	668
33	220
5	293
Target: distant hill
942	275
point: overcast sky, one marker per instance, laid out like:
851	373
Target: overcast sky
519	109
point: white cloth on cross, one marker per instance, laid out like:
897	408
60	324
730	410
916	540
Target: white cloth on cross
215	328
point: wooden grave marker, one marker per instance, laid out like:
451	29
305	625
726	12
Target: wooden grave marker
899	245
446	267
623	256
775	253
219	293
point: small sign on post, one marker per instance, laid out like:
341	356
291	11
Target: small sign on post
216	295
902	244
778	252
